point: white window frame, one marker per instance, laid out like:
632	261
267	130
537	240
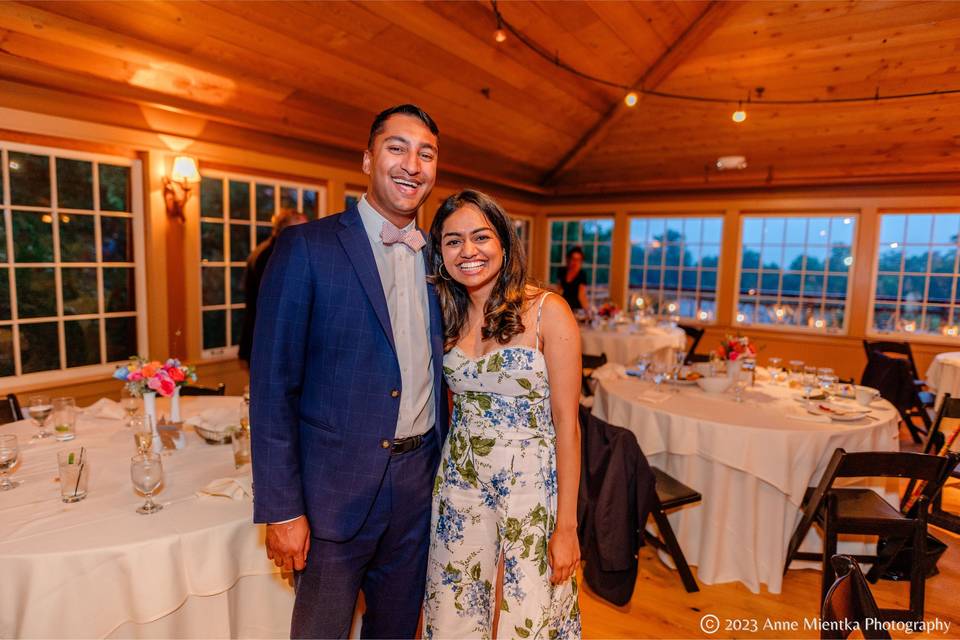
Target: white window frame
791	328
930	338
627	289
527	243
581	219
65	374
230	350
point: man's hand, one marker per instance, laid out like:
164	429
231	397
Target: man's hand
288	543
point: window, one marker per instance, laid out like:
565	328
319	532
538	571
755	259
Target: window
916	285
794	271
69	280
235	216
351	197
673	264
595	237
523	226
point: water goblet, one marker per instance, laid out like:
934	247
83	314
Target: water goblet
40	409
809	381
9	452
743	378
659	374
130	403
775	366
146	472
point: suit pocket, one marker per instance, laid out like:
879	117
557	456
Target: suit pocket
316	424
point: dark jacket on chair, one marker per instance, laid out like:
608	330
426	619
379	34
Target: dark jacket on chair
617	491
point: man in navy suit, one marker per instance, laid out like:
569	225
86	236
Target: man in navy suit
347	409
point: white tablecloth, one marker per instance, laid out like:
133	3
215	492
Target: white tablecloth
626	344
95	568
943	375
751	462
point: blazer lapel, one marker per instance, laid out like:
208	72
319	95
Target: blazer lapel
356	244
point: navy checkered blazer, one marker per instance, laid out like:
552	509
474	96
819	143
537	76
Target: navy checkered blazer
322	376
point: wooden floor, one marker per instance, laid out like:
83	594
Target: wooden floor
660	607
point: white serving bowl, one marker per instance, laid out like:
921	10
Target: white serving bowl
714	384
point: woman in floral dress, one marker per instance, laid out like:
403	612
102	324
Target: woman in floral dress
504	549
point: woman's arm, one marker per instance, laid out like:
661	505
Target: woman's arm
582	296
561	349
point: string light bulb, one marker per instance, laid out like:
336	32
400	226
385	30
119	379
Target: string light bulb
739	115
631	99
500	35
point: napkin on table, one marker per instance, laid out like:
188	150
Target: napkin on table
105	408
215	419
652	396
233	488
800	413
610	371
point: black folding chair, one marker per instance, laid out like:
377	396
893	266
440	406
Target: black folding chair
893	378
198	390
849	604
694	334
10	409
672	494
589	363
902	350
861	511
944	437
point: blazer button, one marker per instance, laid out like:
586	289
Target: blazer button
385	444
395	393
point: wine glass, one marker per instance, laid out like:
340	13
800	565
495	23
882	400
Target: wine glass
809	381
747	367
146	471
659	373
9	452
40	410
130	403
775	366
142	433
643	364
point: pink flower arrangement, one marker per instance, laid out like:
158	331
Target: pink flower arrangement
608	310
142	375
733	347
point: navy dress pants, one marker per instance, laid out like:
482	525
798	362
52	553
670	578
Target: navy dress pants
387	559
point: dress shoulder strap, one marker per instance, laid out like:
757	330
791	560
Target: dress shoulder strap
540	314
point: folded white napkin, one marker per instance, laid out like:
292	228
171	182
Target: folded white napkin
215	419
233	488
105	408
800	413
653	396
609	371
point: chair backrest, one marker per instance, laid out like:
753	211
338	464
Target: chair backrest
849	604
892	378
10	409
197	390
592	362
899	349
695	334
945	426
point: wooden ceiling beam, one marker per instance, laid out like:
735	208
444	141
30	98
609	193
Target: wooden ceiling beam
699	30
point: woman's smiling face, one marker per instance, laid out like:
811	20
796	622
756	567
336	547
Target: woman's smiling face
472	251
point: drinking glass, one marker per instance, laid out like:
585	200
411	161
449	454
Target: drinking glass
747	367
809	381
681	357
64	418
659	373
146	471
827	382
796	368
643	364
74	469
775	365
130	403
142	433
40	410
241	445
9	451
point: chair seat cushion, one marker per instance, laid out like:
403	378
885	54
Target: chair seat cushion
673	493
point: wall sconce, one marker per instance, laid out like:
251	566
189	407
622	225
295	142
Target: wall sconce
176	187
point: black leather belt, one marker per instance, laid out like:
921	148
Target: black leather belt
404	445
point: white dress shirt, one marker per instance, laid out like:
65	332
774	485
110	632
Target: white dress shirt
403	274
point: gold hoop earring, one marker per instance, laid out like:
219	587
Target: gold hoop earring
440	271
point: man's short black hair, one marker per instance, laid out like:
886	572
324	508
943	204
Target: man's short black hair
404	109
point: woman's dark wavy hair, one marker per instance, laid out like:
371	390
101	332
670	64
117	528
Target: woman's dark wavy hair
502	314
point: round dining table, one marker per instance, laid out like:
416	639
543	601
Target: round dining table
943	375
96	568
751	461
625	343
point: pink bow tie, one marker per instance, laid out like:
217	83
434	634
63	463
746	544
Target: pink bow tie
412	238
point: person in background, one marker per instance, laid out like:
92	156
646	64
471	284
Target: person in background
256	265
573	281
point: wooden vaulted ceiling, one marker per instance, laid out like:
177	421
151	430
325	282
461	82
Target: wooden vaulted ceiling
317	72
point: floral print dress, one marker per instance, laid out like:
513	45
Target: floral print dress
496	492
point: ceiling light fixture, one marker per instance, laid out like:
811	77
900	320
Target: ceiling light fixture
631	99
731	163
739	115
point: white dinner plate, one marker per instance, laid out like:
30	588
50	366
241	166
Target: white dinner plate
836	412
